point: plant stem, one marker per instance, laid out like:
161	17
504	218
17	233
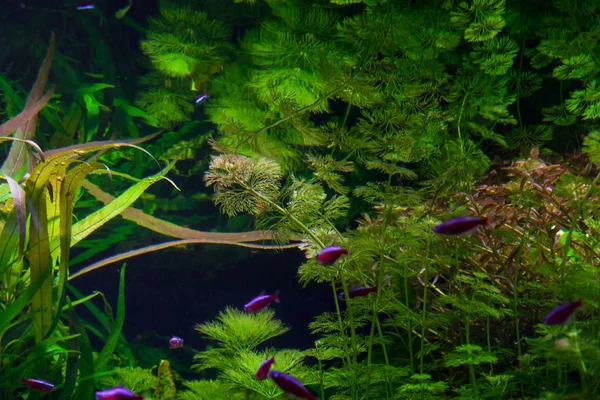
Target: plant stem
321	384
489	342
352	335
375	319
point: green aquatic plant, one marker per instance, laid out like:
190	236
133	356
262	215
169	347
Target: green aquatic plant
391	92
136	379
37	233
165	383
236	359
421	386
186	43
237	330
246	185
187	48
209	390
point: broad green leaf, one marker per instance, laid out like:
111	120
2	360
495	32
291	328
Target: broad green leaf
11	259
68	188
135	112
89	224
94	88
77	302
68	191
40	261
92	105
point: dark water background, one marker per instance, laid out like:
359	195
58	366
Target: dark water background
169	293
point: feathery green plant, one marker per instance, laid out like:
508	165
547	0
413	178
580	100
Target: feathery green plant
238	334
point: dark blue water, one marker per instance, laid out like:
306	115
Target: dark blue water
169	293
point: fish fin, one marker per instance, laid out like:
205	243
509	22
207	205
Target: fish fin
276	296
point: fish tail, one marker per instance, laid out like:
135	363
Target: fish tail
276	296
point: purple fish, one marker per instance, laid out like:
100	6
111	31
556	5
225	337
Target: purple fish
291	385
261	302
262	372
39	385
330	254
357	291
117	393
459	226
85	7
175	342
201	98
563	313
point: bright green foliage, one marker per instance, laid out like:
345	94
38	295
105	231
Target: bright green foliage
592	146
167	106
496	56
468	354
421	387
481	19
237	330
586	103
136	379
185	43
236	359
187	48
241	373
399	81
210	390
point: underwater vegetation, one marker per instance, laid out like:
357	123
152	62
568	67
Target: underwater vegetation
436	160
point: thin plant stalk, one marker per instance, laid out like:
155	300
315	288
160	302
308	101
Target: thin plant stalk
375	318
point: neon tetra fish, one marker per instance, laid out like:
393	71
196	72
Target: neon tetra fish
357	291
329	255
460	226
39	385
175	342
562	314
291	385
117	393
262	372
261	302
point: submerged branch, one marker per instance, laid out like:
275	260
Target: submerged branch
176	231
161	246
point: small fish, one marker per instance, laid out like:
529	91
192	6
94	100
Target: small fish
175	342
330	254
117	393
86	7
39	385
357	291
291	385
201	98
261	302
459	226
562	314
262	372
